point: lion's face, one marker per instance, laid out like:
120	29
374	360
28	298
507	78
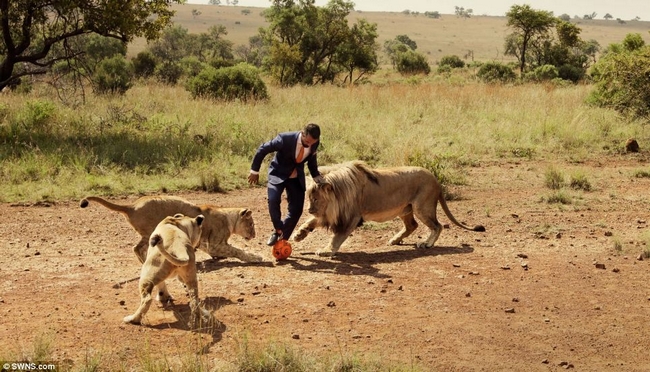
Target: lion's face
318	199
245	227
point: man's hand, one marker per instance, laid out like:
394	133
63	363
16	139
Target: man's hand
319	179
253	179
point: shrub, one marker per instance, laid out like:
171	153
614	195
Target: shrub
169	73
241	82
452	61
580	182
144	64
571	73
623	83
411	62
495	72
553	179
191	66
113	76
543	73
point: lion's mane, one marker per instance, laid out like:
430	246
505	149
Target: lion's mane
347	181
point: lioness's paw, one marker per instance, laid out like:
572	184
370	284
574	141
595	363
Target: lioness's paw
131	319
395	241
423	245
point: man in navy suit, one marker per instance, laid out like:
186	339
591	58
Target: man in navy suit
287	172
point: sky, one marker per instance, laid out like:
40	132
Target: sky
623	9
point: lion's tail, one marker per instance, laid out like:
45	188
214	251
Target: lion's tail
156	240
126	209
451	217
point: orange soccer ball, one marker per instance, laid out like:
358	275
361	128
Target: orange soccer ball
281	250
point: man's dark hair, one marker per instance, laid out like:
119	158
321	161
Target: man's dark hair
312	130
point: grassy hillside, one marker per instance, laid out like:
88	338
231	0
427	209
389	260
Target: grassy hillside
482	35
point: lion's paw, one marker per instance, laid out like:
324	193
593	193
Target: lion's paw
254	258
423	245
300	235
325	253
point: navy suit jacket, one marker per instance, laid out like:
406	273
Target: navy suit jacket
284	161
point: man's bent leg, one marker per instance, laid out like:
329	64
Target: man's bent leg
296	199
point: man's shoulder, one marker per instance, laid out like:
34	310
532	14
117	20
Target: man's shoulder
288	134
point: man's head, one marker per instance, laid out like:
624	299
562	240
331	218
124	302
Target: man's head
310	134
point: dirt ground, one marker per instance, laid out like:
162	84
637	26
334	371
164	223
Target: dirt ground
548	287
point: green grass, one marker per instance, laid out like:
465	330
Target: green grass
156	139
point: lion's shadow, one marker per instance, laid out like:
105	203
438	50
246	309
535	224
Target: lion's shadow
182	314
362	263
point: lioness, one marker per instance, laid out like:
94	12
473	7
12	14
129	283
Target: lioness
171	253
220	223
353	192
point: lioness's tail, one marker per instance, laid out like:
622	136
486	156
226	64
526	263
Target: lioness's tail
126	209
451	217
157	240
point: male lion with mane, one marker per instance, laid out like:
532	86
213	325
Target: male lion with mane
353	192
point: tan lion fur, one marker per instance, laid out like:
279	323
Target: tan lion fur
353	192
171	253
220	223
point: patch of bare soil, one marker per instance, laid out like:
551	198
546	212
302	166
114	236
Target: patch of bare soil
547	287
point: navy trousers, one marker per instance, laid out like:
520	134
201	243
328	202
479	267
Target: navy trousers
296	202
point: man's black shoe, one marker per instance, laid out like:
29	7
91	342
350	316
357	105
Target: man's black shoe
274	238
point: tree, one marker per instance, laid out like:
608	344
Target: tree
434	15
528	23
608	16
622	81
214	2
307	44
195	13
31	29
462	12
360	51
406	40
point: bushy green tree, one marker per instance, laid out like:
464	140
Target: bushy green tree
240	82
495	72
168	72
359	52
309	44
527	24
622	81
113	76
452	61
412	62
543	73
31	29
144	64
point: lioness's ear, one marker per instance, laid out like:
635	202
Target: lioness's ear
155	240
179	215
199	219
245	212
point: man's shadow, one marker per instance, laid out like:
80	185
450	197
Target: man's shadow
362	263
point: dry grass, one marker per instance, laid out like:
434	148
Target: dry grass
450	35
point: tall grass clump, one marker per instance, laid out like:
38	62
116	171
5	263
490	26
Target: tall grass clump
554	179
